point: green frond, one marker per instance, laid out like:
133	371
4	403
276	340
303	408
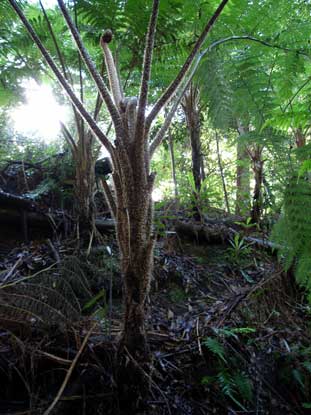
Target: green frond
215	347
293	231
243	386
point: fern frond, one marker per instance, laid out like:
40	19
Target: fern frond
293	231
215	347
243	386
228	387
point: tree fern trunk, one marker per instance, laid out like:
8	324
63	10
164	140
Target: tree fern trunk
242	206
134	217
300	138
258	164
137	276
84	187
222	175
192	114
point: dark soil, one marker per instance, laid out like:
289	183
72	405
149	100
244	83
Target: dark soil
228	330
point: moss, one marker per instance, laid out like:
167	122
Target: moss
177	295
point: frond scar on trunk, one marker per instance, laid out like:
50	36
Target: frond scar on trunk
113	77
129	108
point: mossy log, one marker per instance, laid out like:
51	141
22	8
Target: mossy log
217	233
202	233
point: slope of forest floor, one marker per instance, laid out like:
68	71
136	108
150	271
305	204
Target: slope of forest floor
226	327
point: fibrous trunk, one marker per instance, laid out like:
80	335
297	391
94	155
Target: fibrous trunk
192	113
300	138
257	165
242	206
134	217
84	188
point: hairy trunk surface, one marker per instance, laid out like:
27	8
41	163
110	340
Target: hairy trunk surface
242	206
84	157
134	218
257	165
137	275
84	187
192	113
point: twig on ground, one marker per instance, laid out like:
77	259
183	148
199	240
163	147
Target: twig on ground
69	372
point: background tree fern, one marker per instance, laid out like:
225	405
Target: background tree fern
293	231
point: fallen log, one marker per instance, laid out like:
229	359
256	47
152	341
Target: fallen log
8	200
262	243
202	233
20	221
103	224
217	233
230	220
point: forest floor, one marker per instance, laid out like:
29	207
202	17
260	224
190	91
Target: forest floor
228	330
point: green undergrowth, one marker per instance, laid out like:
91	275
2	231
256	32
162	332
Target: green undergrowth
228	372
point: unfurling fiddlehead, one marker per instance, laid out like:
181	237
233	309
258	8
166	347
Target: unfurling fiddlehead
114	82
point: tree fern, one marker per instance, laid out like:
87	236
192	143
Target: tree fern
216	90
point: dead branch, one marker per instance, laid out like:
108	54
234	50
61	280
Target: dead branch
69	372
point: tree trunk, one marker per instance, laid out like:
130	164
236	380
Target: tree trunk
257	165
84	188
192	113
221	170
84	154
242	206
137	276
171	148
300	138
134	219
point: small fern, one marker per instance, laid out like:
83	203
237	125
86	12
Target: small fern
243	386
233	383
229	387
234	331
215	347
